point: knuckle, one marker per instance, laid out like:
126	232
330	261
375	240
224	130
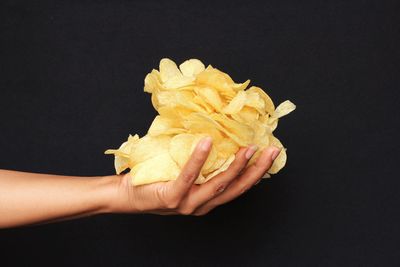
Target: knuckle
202	212
167	201
219	188
237	169
186	211
198	214
243	188
172	203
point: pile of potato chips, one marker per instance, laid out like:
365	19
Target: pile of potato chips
193	102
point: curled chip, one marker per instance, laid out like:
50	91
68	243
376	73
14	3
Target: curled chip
193	102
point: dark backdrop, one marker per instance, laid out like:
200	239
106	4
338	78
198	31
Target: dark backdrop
71	81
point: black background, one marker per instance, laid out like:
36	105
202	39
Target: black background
71	81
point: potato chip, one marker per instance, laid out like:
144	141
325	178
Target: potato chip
223	168
149	147
182	146
216	79
246	115
194	101
283	109
122	155
159	168
280	161
268	104
168	70
165	125
210	96
152	82
241	133
191	67
226	147
236	104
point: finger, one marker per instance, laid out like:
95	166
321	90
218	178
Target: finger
245	181
192	168
217	184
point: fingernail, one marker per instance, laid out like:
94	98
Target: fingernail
205	143
250	151
275	154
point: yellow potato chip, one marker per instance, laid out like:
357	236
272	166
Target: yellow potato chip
226	147
168	70
122	154
283	109
148	147
191	67
280	161
151	83
216	79
240	86
172	77
178	82
242	134
246	115
268	104
200	101
200	179
174	113
159	168
261	133
210	96
254	100
181	147
223	168
194	101
236	104
165	125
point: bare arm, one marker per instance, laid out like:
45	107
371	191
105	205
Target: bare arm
29	198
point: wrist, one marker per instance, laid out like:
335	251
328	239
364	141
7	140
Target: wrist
108	189
116	196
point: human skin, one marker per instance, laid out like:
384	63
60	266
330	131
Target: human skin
33	198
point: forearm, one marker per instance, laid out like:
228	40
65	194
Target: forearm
28	198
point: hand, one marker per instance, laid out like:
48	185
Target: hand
182	196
